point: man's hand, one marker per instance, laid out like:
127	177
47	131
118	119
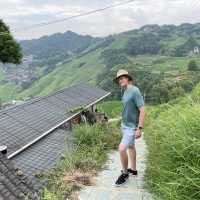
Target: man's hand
138	133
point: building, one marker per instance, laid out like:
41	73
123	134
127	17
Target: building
14	185
33	131
196	50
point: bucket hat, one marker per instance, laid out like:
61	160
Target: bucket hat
120	73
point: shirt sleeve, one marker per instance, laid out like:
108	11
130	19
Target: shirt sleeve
138	98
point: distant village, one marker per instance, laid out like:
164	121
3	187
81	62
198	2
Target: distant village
195	51
24	73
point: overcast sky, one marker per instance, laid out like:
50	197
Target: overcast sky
23	13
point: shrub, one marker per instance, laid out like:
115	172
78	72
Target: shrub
187	85
196	93
176	92
192	66
89	153
173	139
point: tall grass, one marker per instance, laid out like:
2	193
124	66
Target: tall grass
173	140
89	153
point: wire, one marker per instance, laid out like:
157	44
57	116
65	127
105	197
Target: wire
194	3
68	18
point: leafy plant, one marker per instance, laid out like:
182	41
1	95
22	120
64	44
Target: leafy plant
172	135
10	51
192	66
87	155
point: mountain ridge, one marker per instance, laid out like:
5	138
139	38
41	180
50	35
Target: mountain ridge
154	48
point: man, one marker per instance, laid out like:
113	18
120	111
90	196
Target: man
132	123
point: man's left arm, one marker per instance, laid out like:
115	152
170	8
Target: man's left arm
138	98
141	116
138	131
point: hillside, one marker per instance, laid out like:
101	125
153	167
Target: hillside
154	54
172	136
57	44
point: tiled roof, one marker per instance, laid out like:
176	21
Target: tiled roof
22	124
13	184
33	137
43	155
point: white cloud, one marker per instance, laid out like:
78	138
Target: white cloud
22	13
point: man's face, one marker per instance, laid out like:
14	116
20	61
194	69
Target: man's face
123	81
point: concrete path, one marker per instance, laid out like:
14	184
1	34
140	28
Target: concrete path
105	188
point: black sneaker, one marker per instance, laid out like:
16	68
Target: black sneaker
122	179
132	172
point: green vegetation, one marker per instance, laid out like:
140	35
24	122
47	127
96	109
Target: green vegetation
8	91
157	86
192	66
77	109
111	108
173	140
65	75
89	153
144	43
148	53
10	51
188	46
57	45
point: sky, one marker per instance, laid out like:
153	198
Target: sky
20	14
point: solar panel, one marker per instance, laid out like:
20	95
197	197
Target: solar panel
14	134
23	123
44	154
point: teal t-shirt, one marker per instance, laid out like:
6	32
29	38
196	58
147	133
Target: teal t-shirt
132	100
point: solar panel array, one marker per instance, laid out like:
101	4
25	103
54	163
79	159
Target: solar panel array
23	123
44	154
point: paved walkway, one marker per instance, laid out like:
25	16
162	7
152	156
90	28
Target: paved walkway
105	188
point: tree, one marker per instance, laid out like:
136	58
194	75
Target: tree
192	66
143	44
10	51
113	57
187	85
176	92
184	49
159	93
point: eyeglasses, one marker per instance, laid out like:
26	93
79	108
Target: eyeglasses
121	78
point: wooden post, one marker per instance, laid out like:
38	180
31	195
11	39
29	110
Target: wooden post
70	125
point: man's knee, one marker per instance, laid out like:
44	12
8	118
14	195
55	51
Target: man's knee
131	147
122	148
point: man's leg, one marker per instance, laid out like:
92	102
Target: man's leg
132	155
123	157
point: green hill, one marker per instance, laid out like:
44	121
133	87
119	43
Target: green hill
149	53
62	44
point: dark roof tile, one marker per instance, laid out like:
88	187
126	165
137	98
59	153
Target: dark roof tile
12	185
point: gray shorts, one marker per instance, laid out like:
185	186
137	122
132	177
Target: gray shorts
128	135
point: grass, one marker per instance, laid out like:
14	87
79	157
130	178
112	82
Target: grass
91	145
172	135
112	108
8	91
